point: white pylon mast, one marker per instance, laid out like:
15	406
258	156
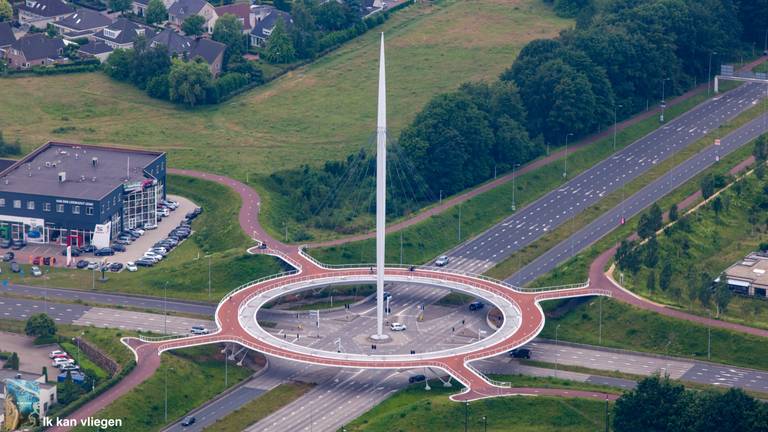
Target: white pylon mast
381	194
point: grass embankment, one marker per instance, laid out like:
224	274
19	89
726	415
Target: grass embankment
195	375
427	239
260	407
554	237
416	410
82	359
322	111
185	271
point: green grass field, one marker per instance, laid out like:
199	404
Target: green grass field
417	410
260	407
195	375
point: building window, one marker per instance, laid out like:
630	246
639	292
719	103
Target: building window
47	207
60	208
30	205
2	202
16	203
75	209
89	211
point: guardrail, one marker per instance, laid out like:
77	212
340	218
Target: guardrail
260	280
162	338
503	384
303	253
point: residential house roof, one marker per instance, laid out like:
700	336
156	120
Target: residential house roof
182	9
6	34
240	10
47	8
264	27
95	47
37	46
84	19
208	49
124	31
174	42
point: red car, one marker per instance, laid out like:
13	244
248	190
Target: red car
36	260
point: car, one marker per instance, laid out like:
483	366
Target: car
75	251
131	266
151	258
104	252
115	267
5	243
93	265
48	260
442	261
36	271
58	361
82	264
88	248
126	237
15	267
118	248
69	367
138	231
144	263
198	330
153	255
18	244
159	250
150	226
189	216
36	260
164	212
523	353
122	242
9	256
416	378
188	421
476	305
396	326
56	353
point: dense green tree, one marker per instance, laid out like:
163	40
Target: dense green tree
722	295
673	213
229	31
334	16
760	171
40	325
651	256
760	149
570	8
303	32
119	64
158	87
188	82
705	288
655	404
119	5
650	281
6	11
12	362
156	12
753	15
665	277
148	62
732	411
707	184
279	45
717	205
193	25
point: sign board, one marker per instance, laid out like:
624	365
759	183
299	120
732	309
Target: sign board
717	141
69	255
726	70
101	235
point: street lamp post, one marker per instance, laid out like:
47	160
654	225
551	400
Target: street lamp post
600	335
514	206
466	415
209	277
565	161
165	308
709	71
485	424
663	98
614	124
459	222
709	335
557	349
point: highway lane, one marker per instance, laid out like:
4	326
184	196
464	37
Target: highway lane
578	193
633	205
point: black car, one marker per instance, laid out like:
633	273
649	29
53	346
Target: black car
104	251
5	243
144	263
476	305
416	378
189	216
117	247
75	252
122	242
115	267
47	261
9	256
82	264
88	248
15	267
523	353
188	421
18	244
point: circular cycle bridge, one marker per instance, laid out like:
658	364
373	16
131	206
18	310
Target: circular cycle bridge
523	319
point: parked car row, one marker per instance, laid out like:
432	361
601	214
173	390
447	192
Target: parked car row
12	244
94	265
159	250
62	361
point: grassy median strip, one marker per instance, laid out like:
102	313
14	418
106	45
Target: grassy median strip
417	410
564	231
427	239
195	375
261	407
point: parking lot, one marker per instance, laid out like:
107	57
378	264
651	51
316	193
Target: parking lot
31	358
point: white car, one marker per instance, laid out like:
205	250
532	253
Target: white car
199	330
396	326
153	254
131	266
139	231
442	261
150	226
56	353
154	258
36	271
93	265
59	361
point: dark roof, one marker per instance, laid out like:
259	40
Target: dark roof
185	8
38	172
37	46
208	49
240	10
128	31
142	2
95	47
176	43
5	163
6	34
47	8
269	22
84	19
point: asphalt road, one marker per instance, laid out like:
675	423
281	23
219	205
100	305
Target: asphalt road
633	205
580	192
